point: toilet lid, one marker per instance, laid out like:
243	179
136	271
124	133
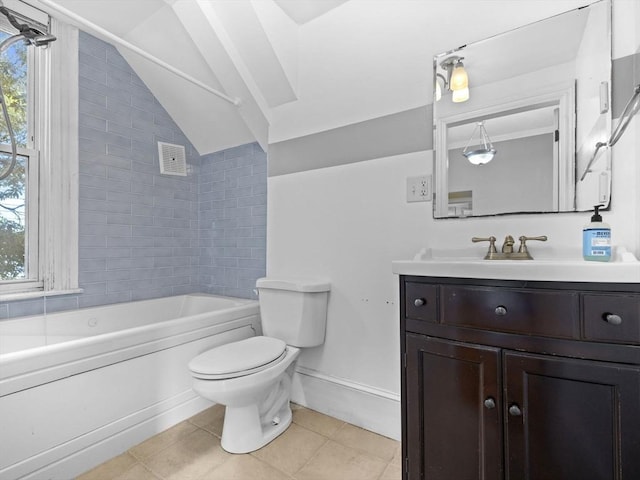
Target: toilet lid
237	359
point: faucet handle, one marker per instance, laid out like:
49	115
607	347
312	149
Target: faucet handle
523	242
492	243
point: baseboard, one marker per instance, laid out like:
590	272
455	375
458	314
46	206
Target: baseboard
112	440
367	407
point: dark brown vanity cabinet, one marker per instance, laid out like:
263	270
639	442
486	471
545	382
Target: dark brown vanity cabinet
514	380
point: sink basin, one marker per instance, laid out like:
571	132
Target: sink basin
564	266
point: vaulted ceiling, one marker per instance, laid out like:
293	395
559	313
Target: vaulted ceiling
286	68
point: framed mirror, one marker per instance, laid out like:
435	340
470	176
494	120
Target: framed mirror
537	102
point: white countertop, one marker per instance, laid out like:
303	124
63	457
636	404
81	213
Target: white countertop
568	267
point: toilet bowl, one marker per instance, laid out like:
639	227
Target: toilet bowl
252	377
257	400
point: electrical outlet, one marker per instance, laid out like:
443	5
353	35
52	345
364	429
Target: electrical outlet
419	189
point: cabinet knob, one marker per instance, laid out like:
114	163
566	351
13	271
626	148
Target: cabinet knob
418	302
501	310
612	318
490	403
514	410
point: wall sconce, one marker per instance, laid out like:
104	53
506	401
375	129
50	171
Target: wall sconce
485	154
457	80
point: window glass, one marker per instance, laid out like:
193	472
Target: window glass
13	223
14	194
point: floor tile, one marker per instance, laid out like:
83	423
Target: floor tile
162	440
392	472
317	422
291	450
110	469
210	419
335	461
314	447
245	467
397	456
366	441
189	458
137	472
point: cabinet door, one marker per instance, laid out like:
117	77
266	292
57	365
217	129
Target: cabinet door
453	410
569	419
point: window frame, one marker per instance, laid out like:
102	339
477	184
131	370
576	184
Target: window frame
55	130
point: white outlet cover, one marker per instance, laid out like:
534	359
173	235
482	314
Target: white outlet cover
419	189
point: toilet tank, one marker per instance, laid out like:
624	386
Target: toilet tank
294	310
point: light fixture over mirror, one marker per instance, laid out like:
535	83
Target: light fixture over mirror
541	92
456	80
485	152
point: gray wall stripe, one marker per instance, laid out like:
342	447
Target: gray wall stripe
404	132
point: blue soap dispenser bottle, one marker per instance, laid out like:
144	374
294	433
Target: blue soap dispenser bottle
596	239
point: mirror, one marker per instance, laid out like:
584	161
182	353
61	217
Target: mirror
541	93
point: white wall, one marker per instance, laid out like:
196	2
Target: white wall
349	222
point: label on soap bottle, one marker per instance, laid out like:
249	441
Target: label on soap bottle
597	243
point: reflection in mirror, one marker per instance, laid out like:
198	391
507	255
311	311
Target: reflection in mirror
541	92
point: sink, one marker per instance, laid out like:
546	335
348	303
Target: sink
550	265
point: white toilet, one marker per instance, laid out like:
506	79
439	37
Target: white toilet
252	377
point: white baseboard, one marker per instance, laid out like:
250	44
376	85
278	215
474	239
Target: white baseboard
112	440
367	407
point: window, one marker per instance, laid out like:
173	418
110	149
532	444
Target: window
38	200
19	190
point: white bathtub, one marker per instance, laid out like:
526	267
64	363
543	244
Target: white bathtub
82	386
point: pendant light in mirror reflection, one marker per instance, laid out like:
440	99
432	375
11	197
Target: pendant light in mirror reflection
456	81
485	152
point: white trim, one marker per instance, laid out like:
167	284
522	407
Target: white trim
9	297
371	408
27	10
563	95
59	210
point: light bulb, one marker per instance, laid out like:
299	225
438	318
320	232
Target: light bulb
460	95
459	77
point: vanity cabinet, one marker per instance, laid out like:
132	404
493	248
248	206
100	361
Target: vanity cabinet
520	380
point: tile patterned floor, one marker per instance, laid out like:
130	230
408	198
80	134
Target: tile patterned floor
314	447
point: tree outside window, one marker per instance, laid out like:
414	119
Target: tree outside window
13	75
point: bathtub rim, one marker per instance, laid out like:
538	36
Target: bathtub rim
33	366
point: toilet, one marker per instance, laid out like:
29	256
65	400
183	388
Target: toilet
252	377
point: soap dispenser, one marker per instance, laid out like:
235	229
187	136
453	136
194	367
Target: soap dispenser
596	239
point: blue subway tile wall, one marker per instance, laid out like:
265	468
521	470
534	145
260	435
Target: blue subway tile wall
142	234
233	220
138	229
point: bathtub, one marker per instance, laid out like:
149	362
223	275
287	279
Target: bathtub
82	386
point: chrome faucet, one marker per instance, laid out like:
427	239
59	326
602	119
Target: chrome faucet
507	252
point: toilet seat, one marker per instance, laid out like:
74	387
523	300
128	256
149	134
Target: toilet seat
238	359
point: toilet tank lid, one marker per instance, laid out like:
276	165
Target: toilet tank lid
294	284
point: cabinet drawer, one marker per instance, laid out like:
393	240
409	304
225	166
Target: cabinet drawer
611	318
421	301
522	311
